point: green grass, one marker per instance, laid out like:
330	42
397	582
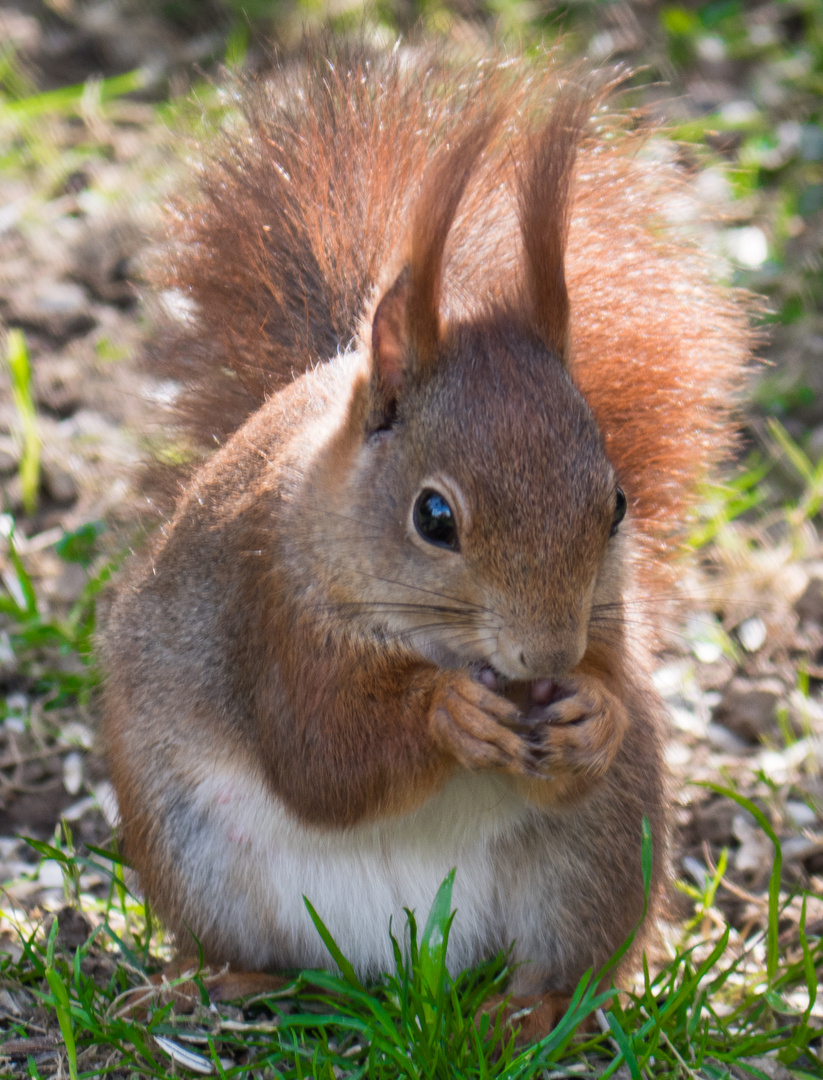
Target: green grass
17	361
53	652
69	100
712	1005
36	140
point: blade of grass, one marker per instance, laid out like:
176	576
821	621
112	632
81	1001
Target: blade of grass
20	586
61	1003
69	99
812	475
17	360
433	946
626	1051
646	856
772	946
804	1033
337	955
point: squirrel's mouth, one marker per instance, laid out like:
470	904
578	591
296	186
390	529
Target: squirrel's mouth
529	697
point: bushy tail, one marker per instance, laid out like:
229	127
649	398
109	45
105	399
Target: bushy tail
295	223
302	216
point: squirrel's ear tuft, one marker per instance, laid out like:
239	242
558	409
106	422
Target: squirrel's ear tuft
405	333
389	334
390	352
545	205
443	187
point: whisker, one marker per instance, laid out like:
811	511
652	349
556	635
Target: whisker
432	592
457	637
428	628
620	620
388	605
598	634
686	600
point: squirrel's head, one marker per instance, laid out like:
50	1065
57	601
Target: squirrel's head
480	510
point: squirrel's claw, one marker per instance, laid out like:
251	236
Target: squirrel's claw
580	732
476	726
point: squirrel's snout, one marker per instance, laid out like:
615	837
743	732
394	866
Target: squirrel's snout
546	656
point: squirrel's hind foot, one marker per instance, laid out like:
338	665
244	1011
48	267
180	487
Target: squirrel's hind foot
176	983
532	1017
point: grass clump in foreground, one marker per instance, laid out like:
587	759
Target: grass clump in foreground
722	1003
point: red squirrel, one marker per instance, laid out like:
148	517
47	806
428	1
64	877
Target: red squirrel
462	378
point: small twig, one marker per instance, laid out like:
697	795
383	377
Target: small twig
736	890
261	1028
45	1044
17	788
36	755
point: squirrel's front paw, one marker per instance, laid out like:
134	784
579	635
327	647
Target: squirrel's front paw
579	729
477	727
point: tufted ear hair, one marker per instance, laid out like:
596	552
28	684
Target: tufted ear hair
545	191
405	334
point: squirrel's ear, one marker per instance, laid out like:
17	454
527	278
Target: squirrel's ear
389	334
443	187
390	351
405	332
545	205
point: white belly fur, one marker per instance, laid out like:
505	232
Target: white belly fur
357	879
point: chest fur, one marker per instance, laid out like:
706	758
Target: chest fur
359	880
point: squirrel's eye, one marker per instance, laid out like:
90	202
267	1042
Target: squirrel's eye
619	511
434	520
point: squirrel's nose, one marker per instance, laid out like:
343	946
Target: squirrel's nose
548	656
